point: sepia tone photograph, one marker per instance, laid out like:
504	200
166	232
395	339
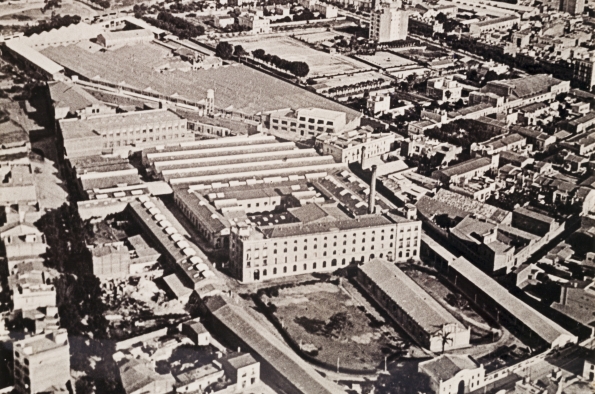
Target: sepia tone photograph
297	197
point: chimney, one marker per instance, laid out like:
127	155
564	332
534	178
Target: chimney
363	156
372	201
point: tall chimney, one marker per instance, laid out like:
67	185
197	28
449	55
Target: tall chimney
363	156
372	201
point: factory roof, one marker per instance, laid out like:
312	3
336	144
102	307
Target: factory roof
70	95
31	55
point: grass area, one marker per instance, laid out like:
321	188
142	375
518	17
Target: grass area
329	326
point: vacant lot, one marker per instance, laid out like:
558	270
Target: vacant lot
386	60
329	326
321	63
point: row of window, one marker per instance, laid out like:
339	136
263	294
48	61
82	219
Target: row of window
324	254
125	142
303	119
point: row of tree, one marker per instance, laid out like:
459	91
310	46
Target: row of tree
178	26
356	87
55	22
299	69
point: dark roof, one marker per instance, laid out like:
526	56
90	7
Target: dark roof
241	360
534	215
109	180
529	85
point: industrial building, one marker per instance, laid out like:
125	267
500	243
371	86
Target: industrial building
122	132
414	310
355	145
494	299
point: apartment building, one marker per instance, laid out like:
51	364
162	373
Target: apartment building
573	7
583	72
444	89
388	23
42	363
256	23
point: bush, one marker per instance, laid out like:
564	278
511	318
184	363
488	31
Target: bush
224	50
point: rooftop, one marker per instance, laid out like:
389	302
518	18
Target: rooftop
467	166
447	366
414	301
70	95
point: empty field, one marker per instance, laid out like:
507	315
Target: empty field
237	87
327	324
321	63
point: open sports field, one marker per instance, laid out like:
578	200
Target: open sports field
321	63
237	87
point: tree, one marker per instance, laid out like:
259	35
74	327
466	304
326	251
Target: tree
300	69
441	18
50	4
224	50
445	338
447	94
239	51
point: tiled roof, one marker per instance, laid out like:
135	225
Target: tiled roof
293	229
447	366
70	95
471	206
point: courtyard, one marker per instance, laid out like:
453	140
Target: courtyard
329	326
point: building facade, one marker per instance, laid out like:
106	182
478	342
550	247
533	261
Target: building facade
42	363
308	122
388	23
355	145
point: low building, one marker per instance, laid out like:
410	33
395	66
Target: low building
21	240
71	100
42	363
255	23
538	139
111	39
463	172
492	25
31	287
18	185
110	261
355	145
194	330
222	21
414	310
577	301
242	369
533	222
14	141
139	378
451	374
444	89
198	379
378	104
501	143
308	122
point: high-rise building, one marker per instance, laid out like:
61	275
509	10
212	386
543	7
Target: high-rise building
573	7
42	363
388	23
584	72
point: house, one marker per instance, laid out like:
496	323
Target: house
242	369
194	330
138	378
17	186
444	89
462	172
452	374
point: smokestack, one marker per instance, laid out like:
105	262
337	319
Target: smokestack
363	156
372	201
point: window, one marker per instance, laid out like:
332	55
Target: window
314	266
284	270
294	268
324	264
305	267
